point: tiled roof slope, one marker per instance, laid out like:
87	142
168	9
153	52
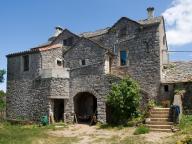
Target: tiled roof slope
176	72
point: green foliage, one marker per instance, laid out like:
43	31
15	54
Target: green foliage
2	72
124	100
141	130
2	101
151	104
186	124
187	140
179	91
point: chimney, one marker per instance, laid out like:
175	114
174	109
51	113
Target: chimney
58	30
150	11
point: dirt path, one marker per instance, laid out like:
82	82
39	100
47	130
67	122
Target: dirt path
93	134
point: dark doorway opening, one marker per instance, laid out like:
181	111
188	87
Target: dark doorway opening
85	106
58	109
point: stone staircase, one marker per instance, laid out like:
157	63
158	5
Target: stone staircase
160	120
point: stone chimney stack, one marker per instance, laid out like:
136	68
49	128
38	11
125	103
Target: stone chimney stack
150	12
58	30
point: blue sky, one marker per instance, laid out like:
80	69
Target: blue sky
27	23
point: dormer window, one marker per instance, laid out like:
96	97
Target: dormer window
26	63
123	32
68	41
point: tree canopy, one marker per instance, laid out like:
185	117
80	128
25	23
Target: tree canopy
2	72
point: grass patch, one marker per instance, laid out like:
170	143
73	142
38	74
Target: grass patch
110	126
30	134
141	130
186	124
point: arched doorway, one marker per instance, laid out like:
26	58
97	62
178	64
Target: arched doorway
85	106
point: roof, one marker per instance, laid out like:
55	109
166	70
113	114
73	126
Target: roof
95	33
144	22
154	20
99	32
35	50
176	72
93	42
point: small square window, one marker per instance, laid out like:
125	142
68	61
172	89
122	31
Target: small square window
59	62
166	88
83	62
26	63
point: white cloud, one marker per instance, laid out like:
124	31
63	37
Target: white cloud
179	21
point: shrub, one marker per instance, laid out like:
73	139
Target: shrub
124	100
142	129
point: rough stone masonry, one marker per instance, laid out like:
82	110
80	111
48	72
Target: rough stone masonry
71	74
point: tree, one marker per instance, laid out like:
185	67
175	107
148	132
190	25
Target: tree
2	72
2	100
124	100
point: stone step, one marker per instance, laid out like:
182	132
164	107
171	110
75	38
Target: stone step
159	126
160	123
160	112
160	116
161	119
161	109
160	130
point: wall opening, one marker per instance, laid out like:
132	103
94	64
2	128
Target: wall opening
166	88
85	106
58	110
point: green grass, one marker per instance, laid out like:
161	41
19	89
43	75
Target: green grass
184	136
30	134
141	130
186	124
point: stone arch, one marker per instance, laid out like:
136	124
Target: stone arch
85	106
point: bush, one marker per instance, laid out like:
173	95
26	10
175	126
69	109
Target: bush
124	100
141	130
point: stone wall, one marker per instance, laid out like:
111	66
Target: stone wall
143	46
27	93
27	101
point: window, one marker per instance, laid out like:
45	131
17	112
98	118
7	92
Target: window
59	62
166	88
26	63
123	58
123	32
68	42
83	62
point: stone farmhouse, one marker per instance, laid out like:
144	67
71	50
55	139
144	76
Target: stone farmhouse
73	73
